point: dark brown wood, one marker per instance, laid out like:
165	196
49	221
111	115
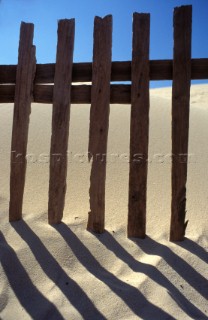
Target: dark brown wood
60	120
7	93
199	69
121	71
99	120
119	93
139	127
22	108
180	118
8	73
45	73
81	94
43	93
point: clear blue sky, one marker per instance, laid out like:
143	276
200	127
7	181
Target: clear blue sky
45	14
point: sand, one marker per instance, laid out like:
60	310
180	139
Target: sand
66	272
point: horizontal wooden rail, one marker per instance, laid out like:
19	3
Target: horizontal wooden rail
120	71
82	72
79	94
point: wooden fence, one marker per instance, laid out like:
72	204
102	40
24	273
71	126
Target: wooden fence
52	83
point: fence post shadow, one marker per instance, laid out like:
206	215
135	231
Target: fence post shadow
194	248
134	299
179	265
18	278
70	289
149	270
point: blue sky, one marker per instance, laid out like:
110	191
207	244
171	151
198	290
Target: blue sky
45	14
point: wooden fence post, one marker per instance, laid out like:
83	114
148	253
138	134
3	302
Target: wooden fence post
22	108
60	120
180	118
99	120
139	128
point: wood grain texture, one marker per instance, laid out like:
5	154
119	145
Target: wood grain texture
99	120
60	120
22	108
180	118
139	127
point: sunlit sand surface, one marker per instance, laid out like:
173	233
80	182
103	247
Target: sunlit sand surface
65	272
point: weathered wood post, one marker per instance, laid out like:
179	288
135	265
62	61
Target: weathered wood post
139	127
22	107
99	120
60	120
180	118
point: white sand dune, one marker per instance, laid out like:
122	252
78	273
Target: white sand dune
65	272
